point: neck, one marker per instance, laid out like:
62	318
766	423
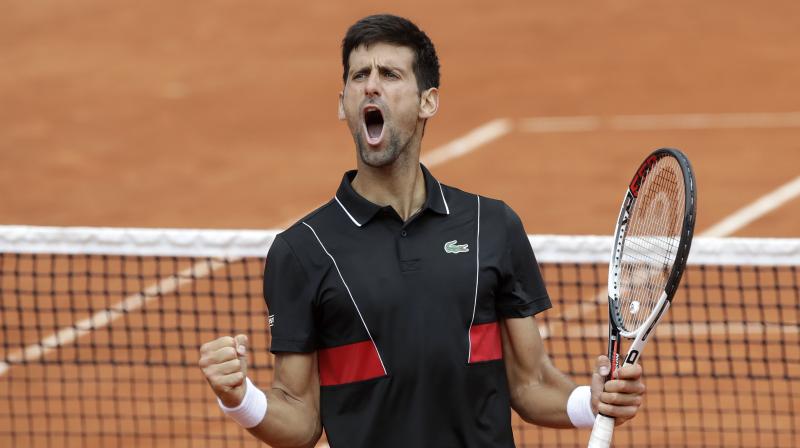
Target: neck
400	185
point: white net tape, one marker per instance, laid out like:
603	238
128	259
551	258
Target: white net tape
255	243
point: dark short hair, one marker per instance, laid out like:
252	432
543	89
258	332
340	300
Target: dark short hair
386	28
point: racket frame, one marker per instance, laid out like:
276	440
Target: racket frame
603	429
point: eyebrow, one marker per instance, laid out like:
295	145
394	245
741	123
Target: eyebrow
381	68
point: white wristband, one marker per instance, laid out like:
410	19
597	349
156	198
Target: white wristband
579	407
251	410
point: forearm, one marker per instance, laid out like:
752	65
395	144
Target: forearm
285	416
289	422
542	400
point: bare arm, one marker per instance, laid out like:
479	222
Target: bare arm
293	414
539	391
292	419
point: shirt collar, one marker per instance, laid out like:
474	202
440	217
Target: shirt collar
360	210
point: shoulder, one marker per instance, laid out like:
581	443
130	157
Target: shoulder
298	237
299	232
491	209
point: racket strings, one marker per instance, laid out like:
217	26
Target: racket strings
651	242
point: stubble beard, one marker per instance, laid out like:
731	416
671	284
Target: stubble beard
379	158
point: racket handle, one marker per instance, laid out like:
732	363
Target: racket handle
602	431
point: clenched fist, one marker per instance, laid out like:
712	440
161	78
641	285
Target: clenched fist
224	363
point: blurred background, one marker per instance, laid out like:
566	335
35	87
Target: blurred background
223	114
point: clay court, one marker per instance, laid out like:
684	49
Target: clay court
223	115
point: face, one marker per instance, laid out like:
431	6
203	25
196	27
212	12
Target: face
382	104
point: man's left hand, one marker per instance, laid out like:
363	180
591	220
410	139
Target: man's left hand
622	395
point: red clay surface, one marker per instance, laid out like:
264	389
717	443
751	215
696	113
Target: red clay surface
223	115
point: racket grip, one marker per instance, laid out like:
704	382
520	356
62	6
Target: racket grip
602	431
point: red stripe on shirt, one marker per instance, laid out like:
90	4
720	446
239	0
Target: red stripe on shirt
486	344
349	363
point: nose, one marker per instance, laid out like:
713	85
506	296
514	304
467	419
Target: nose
372	87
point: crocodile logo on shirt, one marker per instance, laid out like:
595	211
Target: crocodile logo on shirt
452	247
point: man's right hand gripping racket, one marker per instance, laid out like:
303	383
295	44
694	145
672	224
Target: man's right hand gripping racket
651	244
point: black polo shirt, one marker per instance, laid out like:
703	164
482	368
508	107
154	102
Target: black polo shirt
404	316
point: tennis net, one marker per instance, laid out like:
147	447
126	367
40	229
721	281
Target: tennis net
101	327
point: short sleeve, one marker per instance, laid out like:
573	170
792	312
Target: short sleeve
522	290
289	295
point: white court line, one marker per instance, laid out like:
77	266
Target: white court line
468	143
705	121
67	335
543	125
591	123
755	210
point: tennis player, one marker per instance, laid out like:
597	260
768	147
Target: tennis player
402	311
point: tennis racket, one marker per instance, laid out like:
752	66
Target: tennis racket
651	244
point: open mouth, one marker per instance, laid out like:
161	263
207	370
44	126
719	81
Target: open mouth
373	122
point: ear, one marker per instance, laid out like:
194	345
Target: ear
341	106
429	103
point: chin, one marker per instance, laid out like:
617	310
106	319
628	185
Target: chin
378	160
379	157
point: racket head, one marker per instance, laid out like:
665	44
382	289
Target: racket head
652	239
